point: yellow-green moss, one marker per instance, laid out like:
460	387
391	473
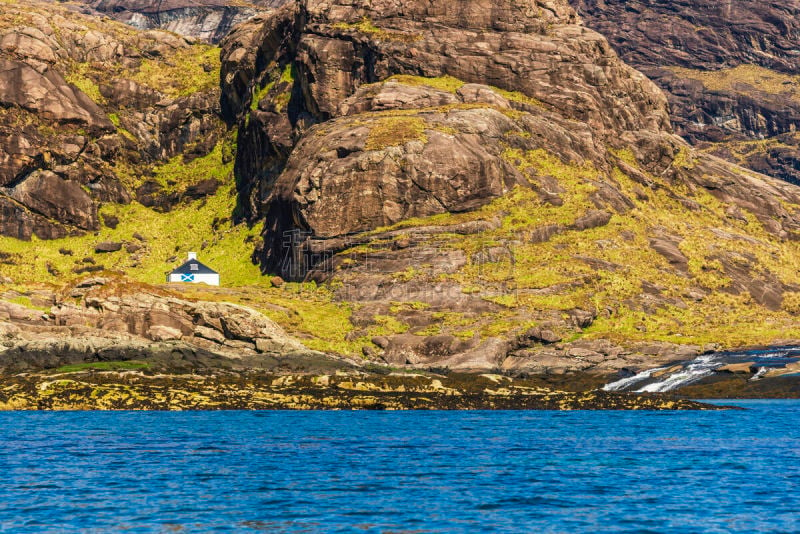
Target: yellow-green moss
79	77
395	131
744	79
260	94
102	366
177	175
683	158
366	26
516	96
442	83
183	73
26	301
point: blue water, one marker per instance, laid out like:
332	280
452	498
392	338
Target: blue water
402	471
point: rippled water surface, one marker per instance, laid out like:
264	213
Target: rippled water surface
393	471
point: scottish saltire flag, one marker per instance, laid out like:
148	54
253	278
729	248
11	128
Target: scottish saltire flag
187	278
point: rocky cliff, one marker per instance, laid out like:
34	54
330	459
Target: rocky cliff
208	20
472	162
463	185
393	100
88	112
729	69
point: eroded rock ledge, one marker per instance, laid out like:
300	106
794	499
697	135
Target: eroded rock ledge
101	320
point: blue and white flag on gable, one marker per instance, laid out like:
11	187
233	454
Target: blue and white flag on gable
187	277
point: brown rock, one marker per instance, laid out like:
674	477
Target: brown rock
543	234
737	368
592	219
111	221
58	199
668	247
107	246
538	334
163	333
582	318
381	341
47	95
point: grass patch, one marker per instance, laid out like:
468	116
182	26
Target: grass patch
78	76
177	175
395	131
366	26
516	96
26	302
442	83
183	74
744	79
260	94
102	366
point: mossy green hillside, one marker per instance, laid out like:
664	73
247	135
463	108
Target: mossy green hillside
184	73
203	226
177	174
608	268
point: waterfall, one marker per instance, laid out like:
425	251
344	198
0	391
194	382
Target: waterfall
703	366
625	383
694	371
760	374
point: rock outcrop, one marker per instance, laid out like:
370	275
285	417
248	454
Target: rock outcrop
311	63
729	69
86	113
110	323
501	161
472	186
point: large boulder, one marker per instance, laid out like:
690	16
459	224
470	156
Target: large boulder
53	197
404	147
48	95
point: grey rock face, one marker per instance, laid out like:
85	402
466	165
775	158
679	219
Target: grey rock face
207	20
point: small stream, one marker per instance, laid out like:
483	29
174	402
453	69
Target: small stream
681	374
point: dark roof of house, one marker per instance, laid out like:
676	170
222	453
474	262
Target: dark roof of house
187	269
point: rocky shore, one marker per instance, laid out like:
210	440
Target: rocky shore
103	344
143	389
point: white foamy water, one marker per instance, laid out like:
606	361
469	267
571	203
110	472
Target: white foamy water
624	383
761	372
697	369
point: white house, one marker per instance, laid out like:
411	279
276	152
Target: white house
194	272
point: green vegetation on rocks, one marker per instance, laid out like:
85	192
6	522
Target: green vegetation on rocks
394	131
102	366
